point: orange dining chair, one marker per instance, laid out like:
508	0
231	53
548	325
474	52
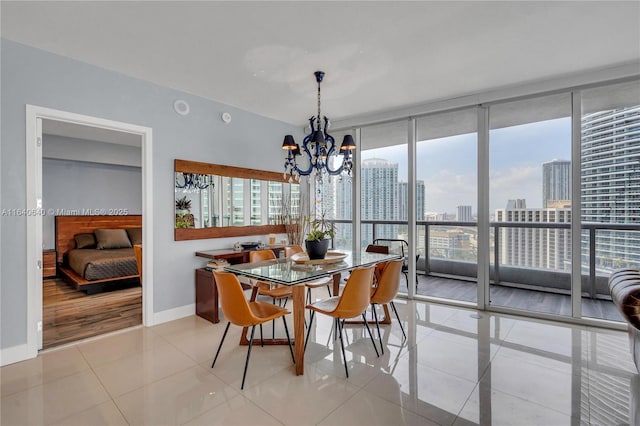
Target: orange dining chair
374	248
276	292
137	250
320	282
268	289
386	291
242	313
354	301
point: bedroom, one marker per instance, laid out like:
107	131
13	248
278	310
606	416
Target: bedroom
87	172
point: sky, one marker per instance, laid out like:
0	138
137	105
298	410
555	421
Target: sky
516	154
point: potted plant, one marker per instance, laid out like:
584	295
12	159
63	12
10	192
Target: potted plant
320	234
183	205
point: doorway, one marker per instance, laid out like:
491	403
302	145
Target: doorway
35	116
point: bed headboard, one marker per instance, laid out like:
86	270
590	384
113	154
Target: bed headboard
68	226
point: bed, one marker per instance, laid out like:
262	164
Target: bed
94	253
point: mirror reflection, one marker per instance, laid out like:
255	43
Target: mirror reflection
209	201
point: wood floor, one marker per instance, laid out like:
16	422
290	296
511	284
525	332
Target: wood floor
70	315
518	298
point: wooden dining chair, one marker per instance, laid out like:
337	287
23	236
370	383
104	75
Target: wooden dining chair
239	311
320	282
354	301
386	290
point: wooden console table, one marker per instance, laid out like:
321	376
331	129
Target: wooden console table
206	290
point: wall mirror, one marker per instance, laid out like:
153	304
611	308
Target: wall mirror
213	201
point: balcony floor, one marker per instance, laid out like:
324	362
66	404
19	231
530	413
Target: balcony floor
511	297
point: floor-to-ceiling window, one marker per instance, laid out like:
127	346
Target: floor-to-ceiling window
530	204
384	185
446	204
333	199
610	190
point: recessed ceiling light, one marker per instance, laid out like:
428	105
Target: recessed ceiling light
181	107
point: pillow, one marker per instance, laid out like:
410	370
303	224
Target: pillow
112	238
135	235
85	241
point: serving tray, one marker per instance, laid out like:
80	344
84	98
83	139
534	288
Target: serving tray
331	257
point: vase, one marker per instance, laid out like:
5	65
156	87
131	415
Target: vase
317	249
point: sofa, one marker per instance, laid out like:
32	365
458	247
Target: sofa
624	285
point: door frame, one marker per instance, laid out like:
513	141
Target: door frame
33	140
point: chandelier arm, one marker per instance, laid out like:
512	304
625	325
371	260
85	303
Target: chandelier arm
305	148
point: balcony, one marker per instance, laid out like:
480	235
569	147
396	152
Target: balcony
530	262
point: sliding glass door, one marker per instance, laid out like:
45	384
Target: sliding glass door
446	205
610	187
530	204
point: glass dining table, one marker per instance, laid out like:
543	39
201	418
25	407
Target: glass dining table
292	272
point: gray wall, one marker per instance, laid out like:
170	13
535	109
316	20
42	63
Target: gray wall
32	76
89	187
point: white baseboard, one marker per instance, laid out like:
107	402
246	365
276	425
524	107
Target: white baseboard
174	314
14	354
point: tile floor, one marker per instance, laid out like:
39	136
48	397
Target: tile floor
453	368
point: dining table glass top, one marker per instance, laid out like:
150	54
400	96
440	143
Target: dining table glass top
288	272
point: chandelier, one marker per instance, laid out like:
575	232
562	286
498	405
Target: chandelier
193	181
318	147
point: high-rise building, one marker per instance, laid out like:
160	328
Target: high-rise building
556	181
463	214
519	203
403	202
379	190
610	182
541	248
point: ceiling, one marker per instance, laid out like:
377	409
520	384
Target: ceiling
260	56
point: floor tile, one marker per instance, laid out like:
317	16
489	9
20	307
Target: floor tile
48	366
431	393
106	414
237	411
532	382
137	370
487	407
54	400
175	399
454	368
102	351
366	409
301	400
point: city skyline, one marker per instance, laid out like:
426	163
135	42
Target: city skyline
448	165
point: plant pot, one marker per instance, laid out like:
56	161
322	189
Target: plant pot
317	249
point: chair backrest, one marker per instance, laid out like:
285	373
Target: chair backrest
376	248
258	255
233	303
290	251
137	250
388	282
356	295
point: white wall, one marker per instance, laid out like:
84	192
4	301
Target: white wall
36	77
75	187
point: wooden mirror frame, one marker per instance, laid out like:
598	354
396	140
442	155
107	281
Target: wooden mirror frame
183	234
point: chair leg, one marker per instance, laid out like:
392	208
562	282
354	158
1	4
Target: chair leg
375	316
364	318
395	311
286	330
344	356
261	339
329	290
309	329
308	296
246	363
220	345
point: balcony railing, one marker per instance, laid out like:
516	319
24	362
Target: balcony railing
598	241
